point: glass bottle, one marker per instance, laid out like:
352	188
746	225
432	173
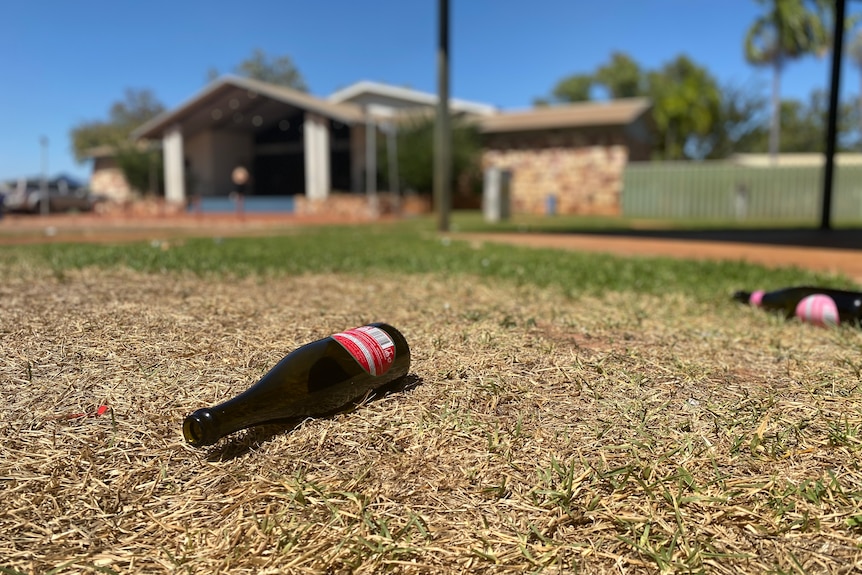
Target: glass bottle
819	305
315	379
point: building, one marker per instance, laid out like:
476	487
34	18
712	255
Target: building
568	159
317	150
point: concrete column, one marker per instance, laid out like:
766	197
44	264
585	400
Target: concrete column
316	140
370	157
357	157
371	165
175	178
324	174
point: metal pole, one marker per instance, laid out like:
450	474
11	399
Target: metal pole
43	185
832	120
443	131
371	164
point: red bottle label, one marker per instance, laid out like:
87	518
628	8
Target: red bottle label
370	346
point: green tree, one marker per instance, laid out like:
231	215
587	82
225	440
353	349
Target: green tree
803	131
574	88
279	70
686	108
137	107
855	52
686	100
788	30
742	125
805	124
622	77
416	154
142	168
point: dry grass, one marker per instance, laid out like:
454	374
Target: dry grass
538	433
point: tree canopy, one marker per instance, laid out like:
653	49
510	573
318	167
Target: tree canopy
686	99
788	30
622	77
694	117
855	51
137	107
279	70
686	107
416	154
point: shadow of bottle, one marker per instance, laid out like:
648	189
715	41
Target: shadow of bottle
254	437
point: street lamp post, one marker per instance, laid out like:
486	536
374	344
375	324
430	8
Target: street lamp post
43	185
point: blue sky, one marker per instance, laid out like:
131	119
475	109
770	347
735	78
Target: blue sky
64	62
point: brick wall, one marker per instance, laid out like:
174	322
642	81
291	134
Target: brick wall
582	170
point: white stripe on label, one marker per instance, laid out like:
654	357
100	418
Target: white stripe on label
366	353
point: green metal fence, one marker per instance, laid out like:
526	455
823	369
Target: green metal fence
722	191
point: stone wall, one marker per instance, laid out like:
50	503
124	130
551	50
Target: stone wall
582	172
358	205
108	180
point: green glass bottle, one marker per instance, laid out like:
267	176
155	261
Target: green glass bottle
818	305
317	378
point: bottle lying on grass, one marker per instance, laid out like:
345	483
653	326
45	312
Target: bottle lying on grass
318	378
817	305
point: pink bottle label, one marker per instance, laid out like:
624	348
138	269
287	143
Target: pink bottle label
370	346
818	309
756	297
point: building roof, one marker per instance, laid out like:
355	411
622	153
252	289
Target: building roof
229	90
231	99
367	87
612	113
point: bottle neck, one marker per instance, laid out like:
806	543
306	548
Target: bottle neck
201	428
742	296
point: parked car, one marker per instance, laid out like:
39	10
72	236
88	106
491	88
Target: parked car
62	194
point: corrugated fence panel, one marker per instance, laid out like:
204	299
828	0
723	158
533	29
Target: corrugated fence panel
721	191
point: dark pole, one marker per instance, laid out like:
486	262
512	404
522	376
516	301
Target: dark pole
832	120
443	131
44	204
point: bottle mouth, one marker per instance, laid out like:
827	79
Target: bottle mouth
198	428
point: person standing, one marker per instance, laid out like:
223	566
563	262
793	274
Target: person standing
240	177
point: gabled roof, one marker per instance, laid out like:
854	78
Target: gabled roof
612	113
367	87
226	85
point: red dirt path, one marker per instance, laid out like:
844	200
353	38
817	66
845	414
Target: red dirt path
826	259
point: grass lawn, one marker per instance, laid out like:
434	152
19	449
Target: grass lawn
565	412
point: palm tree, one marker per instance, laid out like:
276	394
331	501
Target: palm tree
787	31
855	53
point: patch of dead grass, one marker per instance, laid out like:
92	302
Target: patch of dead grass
538	433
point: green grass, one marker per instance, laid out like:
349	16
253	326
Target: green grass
543	434
413	248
